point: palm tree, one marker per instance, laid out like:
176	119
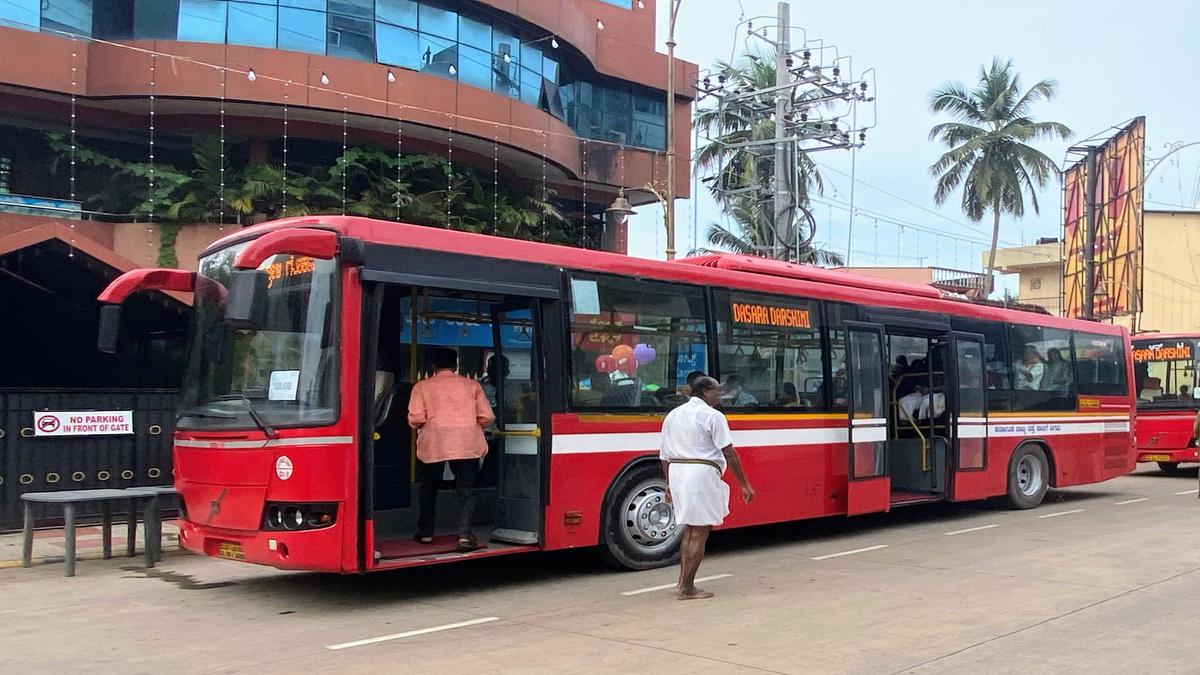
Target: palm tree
752	230
989	154
741	179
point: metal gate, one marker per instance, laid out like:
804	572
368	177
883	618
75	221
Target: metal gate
41	464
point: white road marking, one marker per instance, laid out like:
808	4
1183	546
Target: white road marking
970	529
1189	492
1133	501
412	633
857	550
1061	513
666	586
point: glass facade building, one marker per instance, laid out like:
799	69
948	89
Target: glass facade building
475	48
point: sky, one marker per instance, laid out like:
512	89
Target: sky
1113	60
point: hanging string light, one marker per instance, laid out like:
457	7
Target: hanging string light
345	123
545	193
495	178
221	189
74	98
399	152
283	208
584	166
449	166
150	173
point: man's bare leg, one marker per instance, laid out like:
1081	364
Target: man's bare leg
694	539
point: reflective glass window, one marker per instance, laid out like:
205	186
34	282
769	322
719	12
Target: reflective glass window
23	14
474	67
301	30
531	87
361	8
633	342
68	16
440	22
252	24
202	20
398	46
396	12
155	20
531	58
351	37
473	33
550	69
506	64
439	56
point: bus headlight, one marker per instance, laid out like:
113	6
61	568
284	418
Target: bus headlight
297	516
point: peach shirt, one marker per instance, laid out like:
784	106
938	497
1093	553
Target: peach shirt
450	412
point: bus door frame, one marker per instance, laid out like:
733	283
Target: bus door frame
967	483
868	488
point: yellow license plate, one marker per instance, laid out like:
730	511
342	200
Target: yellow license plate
1156	458
231	551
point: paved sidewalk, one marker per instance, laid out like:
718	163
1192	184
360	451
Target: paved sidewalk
48	544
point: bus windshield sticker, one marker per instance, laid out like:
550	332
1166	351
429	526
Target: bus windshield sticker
585	296
284	386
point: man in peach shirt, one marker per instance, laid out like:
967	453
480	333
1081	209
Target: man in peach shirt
449	412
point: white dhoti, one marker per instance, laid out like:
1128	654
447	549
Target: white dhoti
698	495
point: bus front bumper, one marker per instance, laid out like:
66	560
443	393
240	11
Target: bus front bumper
1172	456
313	550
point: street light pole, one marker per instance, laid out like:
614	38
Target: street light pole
782	96
670	200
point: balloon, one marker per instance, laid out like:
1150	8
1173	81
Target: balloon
644	353
627	365
622	351
606	363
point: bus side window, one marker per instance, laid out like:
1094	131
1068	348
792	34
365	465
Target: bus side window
634	341
1042	374
769	351
996	360
1100	365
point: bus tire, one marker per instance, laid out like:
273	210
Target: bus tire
1169	468
639	531
1028	477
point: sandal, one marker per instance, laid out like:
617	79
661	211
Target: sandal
468	543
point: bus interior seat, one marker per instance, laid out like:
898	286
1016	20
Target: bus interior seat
1151	389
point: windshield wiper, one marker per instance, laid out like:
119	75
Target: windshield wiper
258	420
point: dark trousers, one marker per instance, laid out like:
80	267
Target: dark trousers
430	476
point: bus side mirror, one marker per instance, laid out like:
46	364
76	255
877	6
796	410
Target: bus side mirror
110	329
247	299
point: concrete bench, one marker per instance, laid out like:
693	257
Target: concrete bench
69	498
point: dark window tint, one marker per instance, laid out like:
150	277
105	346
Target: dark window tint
770	351
1100	365
153	19
1041	368
634	342
995	354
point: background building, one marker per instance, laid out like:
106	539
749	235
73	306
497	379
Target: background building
1170	278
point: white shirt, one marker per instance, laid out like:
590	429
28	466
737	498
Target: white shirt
695	430
1034	372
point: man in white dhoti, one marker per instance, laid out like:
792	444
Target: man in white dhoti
696	448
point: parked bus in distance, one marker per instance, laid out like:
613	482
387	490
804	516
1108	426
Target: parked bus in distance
846	394
1168	397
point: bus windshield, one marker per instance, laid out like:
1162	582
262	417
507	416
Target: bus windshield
1166	373
282	373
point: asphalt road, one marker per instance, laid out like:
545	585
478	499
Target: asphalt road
1098	579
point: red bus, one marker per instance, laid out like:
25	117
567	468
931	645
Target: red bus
846	395
1168	398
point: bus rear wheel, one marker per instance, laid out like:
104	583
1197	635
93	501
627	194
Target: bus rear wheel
1028	477
639	525
1169	468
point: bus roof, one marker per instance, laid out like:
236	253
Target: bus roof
731	271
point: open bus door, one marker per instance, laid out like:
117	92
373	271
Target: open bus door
518	405
968	421
868	488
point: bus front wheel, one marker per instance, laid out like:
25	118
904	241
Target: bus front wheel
639	525
1028	477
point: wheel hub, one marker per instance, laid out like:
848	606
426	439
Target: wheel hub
1029	476
649	519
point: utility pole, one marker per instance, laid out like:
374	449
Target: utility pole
782	98
669	206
